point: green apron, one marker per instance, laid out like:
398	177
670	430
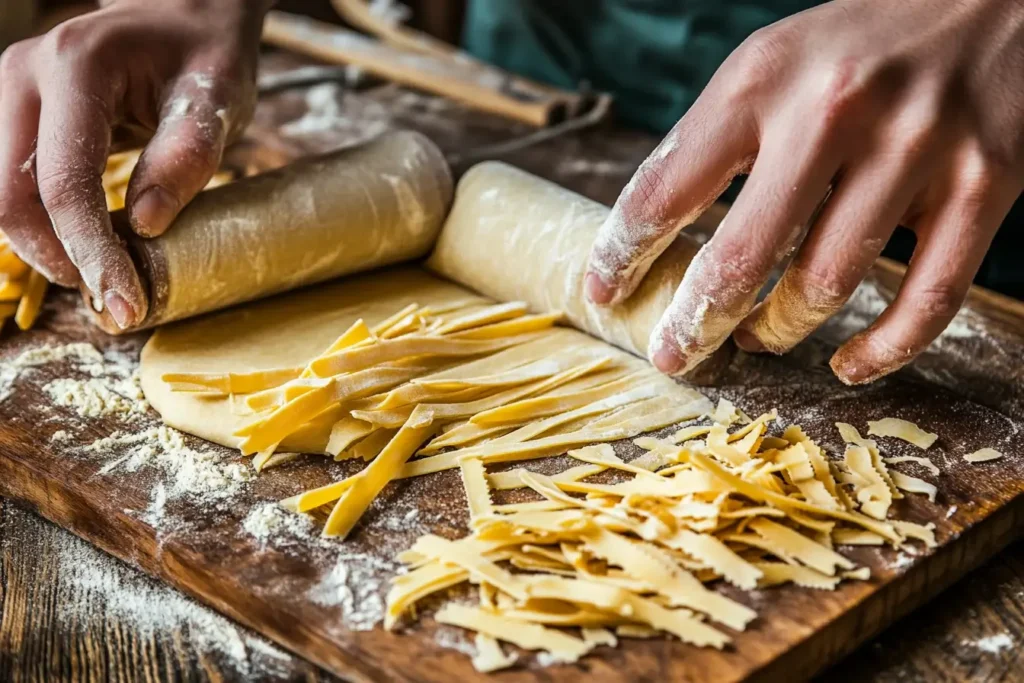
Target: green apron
655	55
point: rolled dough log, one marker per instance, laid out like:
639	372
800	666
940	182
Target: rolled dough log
317	219
516	237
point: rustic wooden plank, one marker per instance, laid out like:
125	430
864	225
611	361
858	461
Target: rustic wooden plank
270	589
72	613
972	632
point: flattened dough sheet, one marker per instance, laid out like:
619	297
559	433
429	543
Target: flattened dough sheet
287	331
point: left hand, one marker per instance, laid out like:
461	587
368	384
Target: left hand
912	110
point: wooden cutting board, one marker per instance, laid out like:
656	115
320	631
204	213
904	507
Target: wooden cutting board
313	597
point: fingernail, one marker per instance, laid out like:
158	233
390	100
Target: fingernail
153	211
597	290
119	309
669	360
850	371
747	341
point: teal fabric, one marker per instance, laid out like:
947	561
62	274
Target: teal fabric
655	55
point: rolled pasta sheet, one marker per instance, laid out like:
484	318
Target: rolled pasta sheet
314	220
516	237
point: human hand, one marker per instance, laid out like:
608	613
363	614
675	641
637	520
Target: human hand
911	110
181	72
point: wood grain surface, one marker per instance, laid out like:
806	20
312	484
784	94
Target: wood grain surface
209	556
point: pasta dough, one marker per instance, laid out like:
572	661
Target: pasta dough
281	332
516	237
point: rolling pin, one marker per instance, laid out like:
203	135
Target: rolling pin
515	237
317	219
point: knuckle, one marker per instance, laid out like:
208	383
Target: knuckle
840	88
752	65
977	186
649	187
739	272
75	39
940	301
65	39
64	189
820	283
13	60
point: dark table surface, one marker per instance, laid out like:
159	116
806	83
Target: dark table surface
69	612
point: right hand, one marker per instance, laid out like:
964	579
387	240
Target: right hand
180	71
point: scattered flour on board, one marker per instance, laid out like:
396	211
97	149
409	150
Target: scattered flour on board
204	476
83	357
355	584
992	644
356	581
99	397
902	561
100	385
454	639
324	114
270	524
92	586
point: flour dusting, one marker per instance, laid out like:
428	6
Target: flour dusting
992	644
205	476
83	358
355	584
325	115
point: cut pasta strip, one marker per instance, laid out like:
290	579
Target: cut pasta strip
646	562
776	573
31	301
486	316
547	406
372	480
681	623
560	646
847	536
383	326
910	484
363	357
920	460
489	656
763	494
903	430
474	480
791	544
983	455
521	325
873	493
528	373
231	382
512	479
11	290
346	432
304	407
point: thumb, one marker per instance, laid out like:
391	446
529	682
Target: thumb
183	155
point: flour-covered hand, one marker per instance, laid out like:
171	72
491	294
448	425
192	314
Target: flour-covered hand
912	112
180	72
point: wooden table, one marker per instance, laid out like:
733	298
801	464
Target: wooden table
65	607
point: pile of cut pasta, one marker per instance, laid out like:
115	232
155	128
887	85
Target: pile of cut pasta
470	386
21	288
